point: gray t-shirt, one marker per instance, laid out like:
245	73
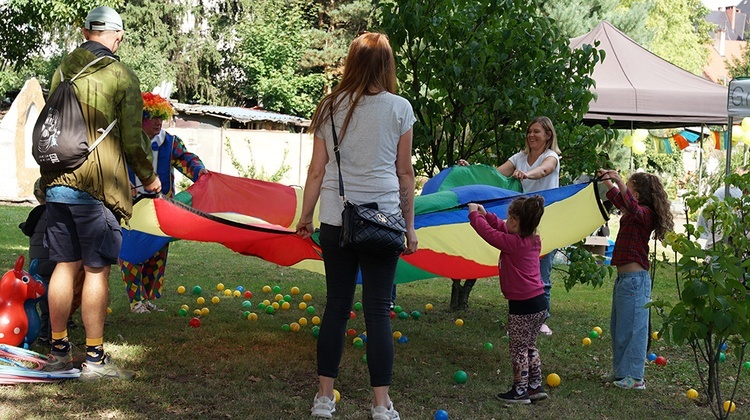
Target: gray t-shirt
368	155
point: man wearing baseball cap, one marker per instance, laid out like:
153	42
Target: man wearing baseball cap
85	205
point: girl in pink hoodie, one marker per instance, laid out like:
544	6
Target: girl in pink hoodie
522	285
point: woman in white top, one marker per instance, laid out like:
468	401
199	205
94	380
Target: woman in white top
374	131
538	168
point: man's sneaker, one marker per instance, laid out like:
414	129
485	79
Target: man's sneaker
630	383
323	407
139	308
104	370
537	394
513	397
151	307
59	362
544	329
384	413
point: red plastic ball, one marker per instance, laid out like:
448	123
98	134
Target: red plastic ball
661	361
393	315
352	315
351	332
248	294
195	322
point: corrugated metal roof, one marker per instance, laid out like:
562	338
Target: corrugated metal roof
243	115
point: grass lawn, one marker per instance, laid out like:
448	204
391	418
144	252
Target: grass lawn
231	367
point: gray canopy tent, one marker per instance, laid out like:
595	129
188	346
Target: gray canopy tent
638	89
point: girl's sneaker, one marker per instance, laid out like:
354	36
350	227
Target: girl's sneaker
513	397
630	383
323	407
537	394
384	413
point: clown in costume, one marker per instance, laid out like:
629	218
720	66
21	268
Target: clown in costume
144	281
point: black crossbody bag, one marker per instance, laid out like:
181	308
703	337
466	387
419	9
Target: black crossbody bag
363	224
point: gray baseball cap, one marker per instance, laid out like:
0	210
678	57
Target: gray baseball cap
103	18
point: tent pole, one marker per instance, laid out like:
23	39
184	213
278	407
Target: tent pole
729	156
700	163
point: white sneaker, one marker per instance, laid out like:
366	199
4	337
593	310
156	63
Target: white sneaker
384	413
544	329
323	407
152	307
139	308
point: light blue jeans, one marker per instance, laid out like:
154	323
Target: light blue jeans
629	324
545	269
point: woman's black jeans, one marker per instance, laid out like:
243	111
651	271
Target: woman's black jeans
378	269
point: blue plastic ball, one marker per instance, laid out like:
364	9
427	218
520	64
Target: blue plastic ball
724	347
651	357
441	415
241	289
403	340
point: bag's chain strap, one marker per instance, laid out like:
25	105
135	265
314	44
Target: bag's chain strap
336	151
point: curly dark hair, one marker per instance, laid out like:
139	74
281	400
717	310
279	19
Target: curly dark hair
651	194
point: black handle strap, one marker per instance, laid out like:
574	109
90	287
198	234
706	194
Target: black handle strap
338	156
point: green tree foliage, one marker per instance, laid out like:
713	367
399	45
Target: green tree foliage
712	307
575	18
476	73
681	33
739	66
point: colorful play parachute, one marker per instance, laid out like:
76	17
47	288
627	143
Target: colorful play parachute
258	218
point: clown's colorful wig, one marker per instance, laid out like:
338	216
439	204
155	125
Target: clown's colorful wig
154	106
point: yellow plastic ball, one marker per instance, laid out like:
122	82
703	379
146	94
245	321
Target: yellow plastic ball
275	305
302	306
266	302
692	394
337	395
205	311
185	307
302	321
397	334
236	293
278	297
553	379
655	335
586	341
220	287
294	327
266	289
109	310
294	290
200	301
428	307
181	289
227	292
215	300
307	297
315	320
598	331
729	406
252	316
459	322
285	305
197	312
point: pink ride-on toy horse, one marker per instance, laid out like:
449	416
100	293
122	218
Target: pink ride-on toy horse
16	287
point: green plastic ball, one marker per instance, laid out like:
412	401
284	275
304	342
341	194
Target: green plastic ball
270	310
403	315
747	365
358	344
397	309
182	312
287	298
246	314
277	289
247	304
364	358
488	346
197	290
310	310
415	314
285	327
722	357
262	306
594	335
460	377
358	306
315	331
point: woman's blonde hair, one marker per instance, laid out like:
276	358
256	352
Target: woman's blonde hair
369	69
546	124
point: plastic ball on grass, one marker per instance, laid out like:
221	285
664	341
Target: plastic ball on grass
285	305
441	415
392	315
594	335
287	298
205	311
307	297
747	365
270	310
397	334
403	340
286	327
227	292
415	314
266	289
428	307
397	309
182	312
109	310
197	312
277	289
197	290
267	302
403	315
661	361
185	307
278	297
364	358
215	300
459	322
247	304
337	395
262	306
722	357
195	322
358	343
553	380
252	316
460	377
180	289
358	306
302	321
655	335
315	331
651	357
351	332
352	315
248	294
315	320
240	289
220	287
723	346
302	306
310	310
200	301
294	326
488	346
729	406
294	290
586	341
236	293
246	314
692	394
275	306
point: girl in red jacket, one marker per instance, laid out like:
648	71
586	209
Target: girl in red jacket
522	285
